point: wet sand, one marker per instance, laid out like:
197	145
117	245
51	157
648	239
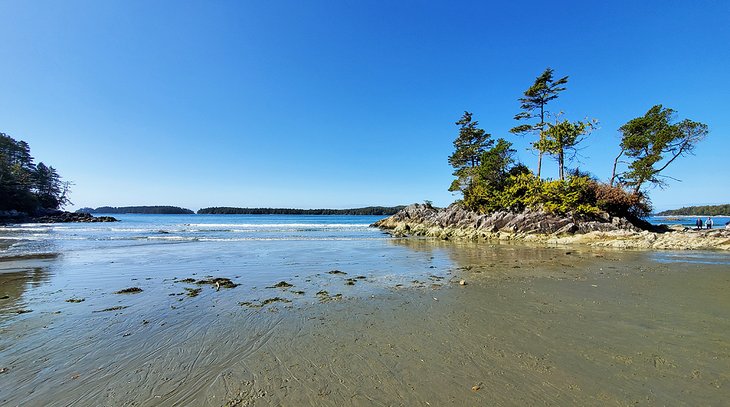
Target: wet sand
532	326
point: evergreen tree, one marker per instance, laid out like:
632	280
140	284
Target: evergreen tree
468	148
654	142
25	186
533	106
564	136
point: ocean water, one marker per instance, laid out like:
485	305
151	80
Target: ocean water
141	230
689	221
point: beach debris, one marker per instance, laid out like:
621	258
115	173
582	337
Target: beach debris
325	296
264	302
130	290
360	277
476	387
193	292
187	280
76	300
435	299
23	311
336	272
462	282
275	299
298	292
218	282
4	369
350	281
4	297
117	308
217	286
281	284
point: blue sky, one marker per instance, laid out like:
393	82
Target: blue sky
342	103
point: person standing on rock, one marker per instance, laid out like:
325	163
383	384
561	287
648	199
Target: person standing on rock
709	223
698	223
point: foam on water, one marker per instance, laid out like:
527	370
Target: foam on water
156	229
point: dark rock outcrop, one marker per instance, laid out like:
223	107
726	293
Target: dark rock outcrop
455	221
52	216
538	226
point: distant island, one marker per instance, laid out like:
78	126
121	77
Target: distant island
704	210
370	210
152	210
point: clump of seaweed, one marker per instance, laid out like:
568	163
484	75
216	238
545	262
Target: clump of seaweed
117	308
281	284
325	296
218	282
130	290
336	272
76	300
264	302
193	292
187	280
275	299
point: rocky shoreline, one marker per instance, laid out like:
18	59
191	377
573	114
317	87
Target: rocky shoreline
52	217
456	223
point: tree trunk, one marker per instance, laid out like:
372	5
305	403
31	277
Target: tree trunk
615	164
561	164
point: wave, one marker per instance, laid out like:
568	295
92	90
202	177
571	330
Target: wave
278	225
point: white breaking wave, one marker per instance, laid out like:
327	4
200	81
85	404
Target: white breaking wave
280	225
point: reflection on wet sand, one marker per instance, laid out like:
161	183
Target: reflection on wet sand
17	275
532	326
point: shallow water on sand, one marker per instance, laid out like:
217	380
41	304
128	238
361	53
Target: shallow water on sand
532	326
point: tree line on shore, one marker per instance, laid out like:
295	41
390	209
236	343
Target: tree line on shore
26	186
370	210
489	177
702	210
153	210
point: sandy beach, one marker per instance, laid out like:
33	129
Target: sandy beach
531	326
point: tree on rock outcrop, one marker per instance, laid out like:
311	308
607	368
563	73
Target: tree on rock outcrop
563	137
533	106
469	146
653	142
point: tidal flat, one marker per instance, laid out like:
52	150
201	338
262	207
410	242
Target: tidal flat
385	322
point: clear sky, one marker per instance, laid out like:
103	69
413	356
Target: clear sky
342	103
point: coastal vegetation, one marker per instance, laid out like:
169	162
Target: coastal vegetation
704	210
370	210
26	186
156	210
490	179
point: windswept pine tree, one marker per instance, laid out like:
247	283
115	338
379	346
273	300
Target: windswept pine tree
652	142
534	108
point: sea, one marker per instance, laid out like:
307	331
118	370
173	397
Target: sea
142	230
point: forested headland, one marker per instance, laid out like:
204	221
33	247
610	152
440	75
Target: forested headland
370	210
152	210
704	210
25	186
